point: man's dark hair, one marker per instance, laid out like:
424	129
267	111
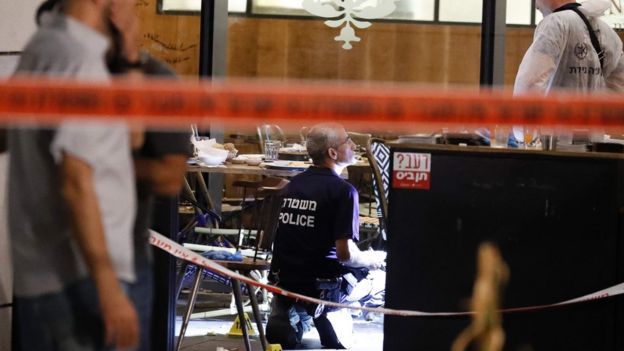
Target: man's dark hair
45	7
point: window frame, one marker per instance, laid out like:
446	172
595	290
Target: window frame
249	12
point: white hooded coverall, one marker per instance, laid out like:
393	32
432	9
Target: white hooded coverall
562	56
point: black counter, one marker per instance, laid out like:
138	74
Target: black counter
557	219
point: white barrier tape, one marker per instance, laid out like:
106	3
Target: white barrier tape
183	253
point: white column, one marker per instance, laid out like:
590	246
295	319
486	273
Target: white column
17	24
6	271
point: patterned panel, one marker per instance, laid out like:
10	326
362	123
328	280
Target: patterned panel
381	153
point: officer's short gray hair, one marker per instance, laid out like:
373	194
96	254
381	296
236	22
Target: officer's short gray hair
320	138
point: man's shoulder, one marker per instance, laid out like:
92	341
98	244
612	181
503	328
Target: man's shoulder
324	175
323	180
51	46
558	19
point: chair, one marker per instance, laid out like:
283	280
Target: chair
269	132
378	155
303	134
259	190
268	202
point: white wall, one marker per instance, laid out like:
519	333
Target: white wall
6	279
17	23
7	64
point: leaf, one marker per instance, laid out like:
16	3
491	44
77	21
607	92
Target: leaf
316	8
360	24
383	9
335	23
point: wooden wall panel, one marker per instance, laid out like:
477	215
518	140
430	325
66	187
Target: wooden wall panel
174	39
517	42
305	49
289	48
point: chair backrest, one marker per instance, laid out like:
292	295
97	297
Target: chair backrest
269	132
362	140
303	134
378	155
269	195
272	195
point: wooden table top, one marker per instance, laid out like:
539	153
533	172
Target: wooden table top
230	168
247	264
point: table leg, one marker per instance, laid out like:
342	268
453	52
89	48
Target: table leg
189	307
241	313
257	316
204	190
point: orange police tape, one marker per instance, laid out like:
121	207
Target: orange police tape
181	252
159	103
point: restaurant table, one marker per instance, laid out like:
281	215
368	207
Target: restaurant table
260	170
556	218
231	168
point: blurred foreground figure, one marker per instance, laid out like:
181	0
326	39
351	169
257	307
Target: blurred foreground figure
486	331
315	252
160	161
72	201
565	56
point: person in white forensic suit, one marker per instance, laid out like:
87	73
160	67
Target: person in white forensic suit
562	55
566	56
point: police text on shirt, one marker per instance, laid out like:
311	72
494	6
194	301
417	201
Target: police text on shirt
298	219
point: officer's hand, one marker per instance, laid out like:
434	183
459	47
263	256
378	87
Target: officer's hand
378	259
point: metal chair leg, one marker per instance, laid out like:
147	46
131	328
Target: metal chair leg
180	279
241	313
204	191
189	308
257	316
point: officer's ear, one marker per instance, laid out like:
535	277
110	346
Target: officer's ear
332	153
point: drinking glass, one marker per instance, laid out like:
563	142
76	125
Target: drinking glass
271	149
499	137
531	138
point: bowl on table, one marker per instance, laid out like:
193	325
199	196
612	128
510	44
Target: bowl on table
239	160
254	161
213	157
293	154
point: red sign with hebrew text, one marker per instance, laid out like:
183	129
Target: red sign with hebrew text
411	171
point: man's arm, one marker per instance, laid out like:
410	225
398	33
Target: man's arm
536	70
163	176
540	62
119	316
615	80
350	255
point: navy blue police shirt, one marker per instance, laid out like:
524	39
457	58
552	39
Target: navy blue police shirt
318	208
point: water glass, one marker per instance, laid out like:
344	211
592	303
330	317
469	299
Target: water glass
531	138
271	149
499	137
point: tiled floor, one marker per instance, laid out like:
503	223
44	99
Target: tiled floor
208	334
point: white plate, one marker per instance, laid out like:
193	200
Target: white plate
293	151
252	155
290	165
